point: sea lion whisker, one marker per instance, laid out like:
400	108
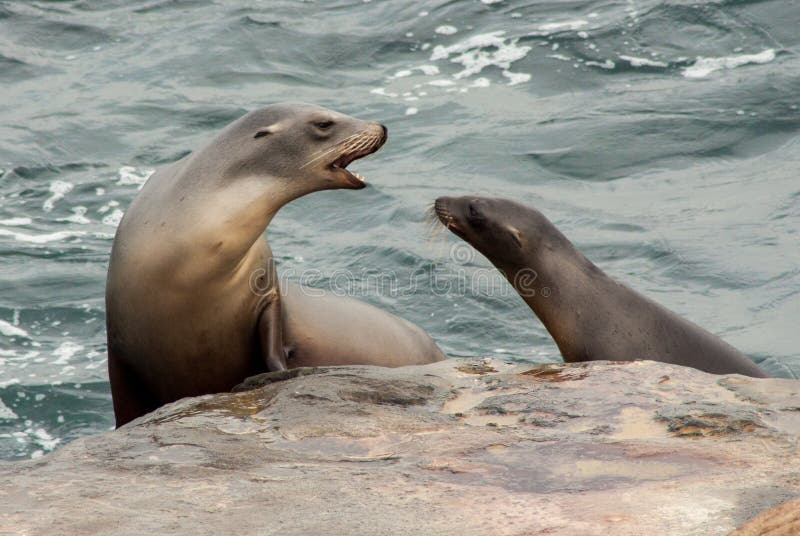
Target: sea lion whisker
442	242
362	142
352	147
334	147
437	237
431	229
351	136
318	157
365	143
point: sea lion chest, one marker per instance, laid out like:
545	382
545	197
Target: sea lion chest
187	313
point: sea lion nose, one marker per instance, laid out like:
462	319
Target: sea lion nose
440	207
385	131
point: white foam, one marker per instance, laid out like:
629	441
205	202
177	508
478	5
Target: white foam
608	64
411	111
441	52
429	70
78	216
642	62
382	91
43	439
10	330
114	218
487	2
16	221
516	78
6	412
42	238
59	189
130	175
65	352
471	53
474	53
446	29
570	25
705	66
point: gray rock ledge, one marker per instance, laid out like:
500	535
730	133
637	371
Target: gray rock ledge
462	447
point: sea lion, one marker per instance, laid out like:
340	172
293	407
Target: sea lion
322	329
589	315
182	318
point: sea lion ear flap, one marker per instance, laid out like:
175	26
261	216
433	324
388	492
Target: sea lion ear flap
516	236
266	131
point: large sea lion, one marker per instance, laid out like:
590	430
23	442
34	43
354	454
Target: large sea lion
589	315
182	317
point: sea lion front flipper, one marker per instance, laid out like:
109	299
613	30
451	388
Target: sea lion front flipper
270	335
131	398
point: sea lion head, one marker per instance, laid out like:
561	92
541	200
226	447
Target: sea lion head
306	146
512	236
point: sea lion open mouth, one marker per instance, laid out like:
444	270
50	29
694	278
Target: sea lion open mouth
358	146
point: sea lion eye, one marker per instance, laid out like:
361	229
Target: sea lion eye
323	125
475	211
262	132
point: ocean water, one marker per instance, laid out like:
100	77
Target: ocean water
662	137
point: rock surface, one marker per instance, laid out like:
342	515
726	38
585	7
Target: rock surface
459	447
782	520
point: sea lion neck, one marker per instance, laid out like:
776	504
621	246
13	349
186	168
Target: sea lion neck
551	283
229	219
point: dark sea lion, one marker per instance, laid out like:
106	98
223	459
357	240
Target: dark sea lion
589	315
182	317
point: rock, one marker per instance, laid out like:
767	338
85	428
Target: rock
458	447
783	520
